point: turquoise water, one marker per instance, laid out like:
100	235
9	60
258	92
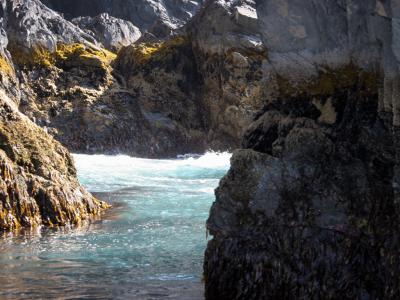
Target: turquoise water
149	246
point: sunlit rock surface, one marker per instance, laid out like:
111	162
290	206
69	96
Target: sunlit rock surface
144	13
38	184
113	33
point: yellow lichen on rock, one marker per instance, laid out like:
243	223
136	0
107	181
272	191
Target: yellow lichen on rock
144	52
5	67
38	183
36	56
147	52
75	54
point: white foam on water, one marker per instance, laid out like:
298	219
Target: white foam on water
110	173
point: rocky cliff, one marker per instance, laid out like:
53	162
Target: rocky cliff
158	17
309	89
38	183
310	206
208	80
197	90
71	84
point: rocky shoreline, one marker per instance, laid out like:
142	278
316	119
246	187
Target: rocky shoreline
308	90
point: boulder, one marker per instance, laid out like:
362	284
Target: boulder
111	32
38	182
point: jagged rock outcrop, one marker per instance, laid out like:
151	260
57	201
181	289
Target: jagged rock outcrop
231	57
200	93
111	32
68	85
165	81
209	79
144	13
187	94
308	210
310	207
85	104
30	24
38	182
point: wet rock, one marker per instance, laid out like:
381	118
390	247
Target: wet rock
38	181
169	97
300	216
38	184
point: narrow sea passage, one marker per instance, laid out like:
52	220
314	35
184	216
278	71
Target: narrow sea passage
149	246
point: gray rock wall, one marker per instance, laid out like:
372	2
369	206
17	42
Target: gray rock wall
142	14
309	210
111	32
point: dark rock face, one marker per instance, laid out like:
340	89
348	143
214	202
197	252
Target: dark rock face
312	213
165	82
208	80
89	104
310	207
143	13
71	87
111	32
231	58
66	84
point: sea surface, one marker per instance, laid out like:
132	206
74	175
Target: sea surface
149	246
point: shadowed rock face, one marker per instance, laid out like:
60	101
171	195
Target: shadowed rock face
312	212
310	206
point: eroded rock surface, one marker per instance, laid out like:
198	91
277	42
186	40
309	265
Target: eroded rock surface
310	207
31	24
38	181
38	184
144	13
71	86
113	33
